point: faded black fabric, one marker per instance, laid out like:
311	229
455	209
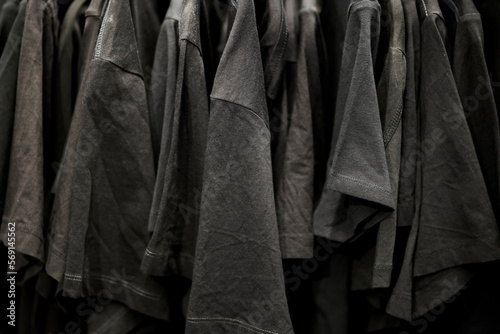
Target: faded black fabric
60	216
176	202
8	14
358	192
456	221
273	35
477	97
117	318
30	174
409	141
9	63
390	92
455	218
161	93
334	16
274	43
93	18
147	27
238	242
331	294
296	174
108	175
490	12
67	72
224	13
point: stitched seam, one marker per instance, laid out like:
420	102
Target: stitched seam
98	45
112	321
126	285
465	244
73	279
71	275
394	123
425	8
116	65
371	185
153	254
403	295
237	104
231	322
59	254
187	40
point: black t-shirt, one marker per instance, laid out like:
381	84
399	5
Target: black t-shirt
454	225
476	94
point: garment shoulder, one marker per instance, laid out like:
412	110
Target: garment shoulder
174	11
235	107
116	41
363	5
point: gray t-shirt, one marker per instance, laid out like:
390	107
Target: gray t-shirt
390	92
108	175
9	63
238	283
174	215
60	216
358	192
454	225
30	172
476	94
301	143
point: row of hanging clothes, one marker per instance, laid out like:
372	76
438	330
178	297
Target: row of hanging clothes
250	166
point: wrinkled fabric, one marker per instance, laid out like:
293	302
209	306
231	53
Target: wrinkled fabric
408	192
274	44
9	63
390	92
108	174
176	201
60	215
30	174
454	217
477	97
358	192
295	185
238	283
